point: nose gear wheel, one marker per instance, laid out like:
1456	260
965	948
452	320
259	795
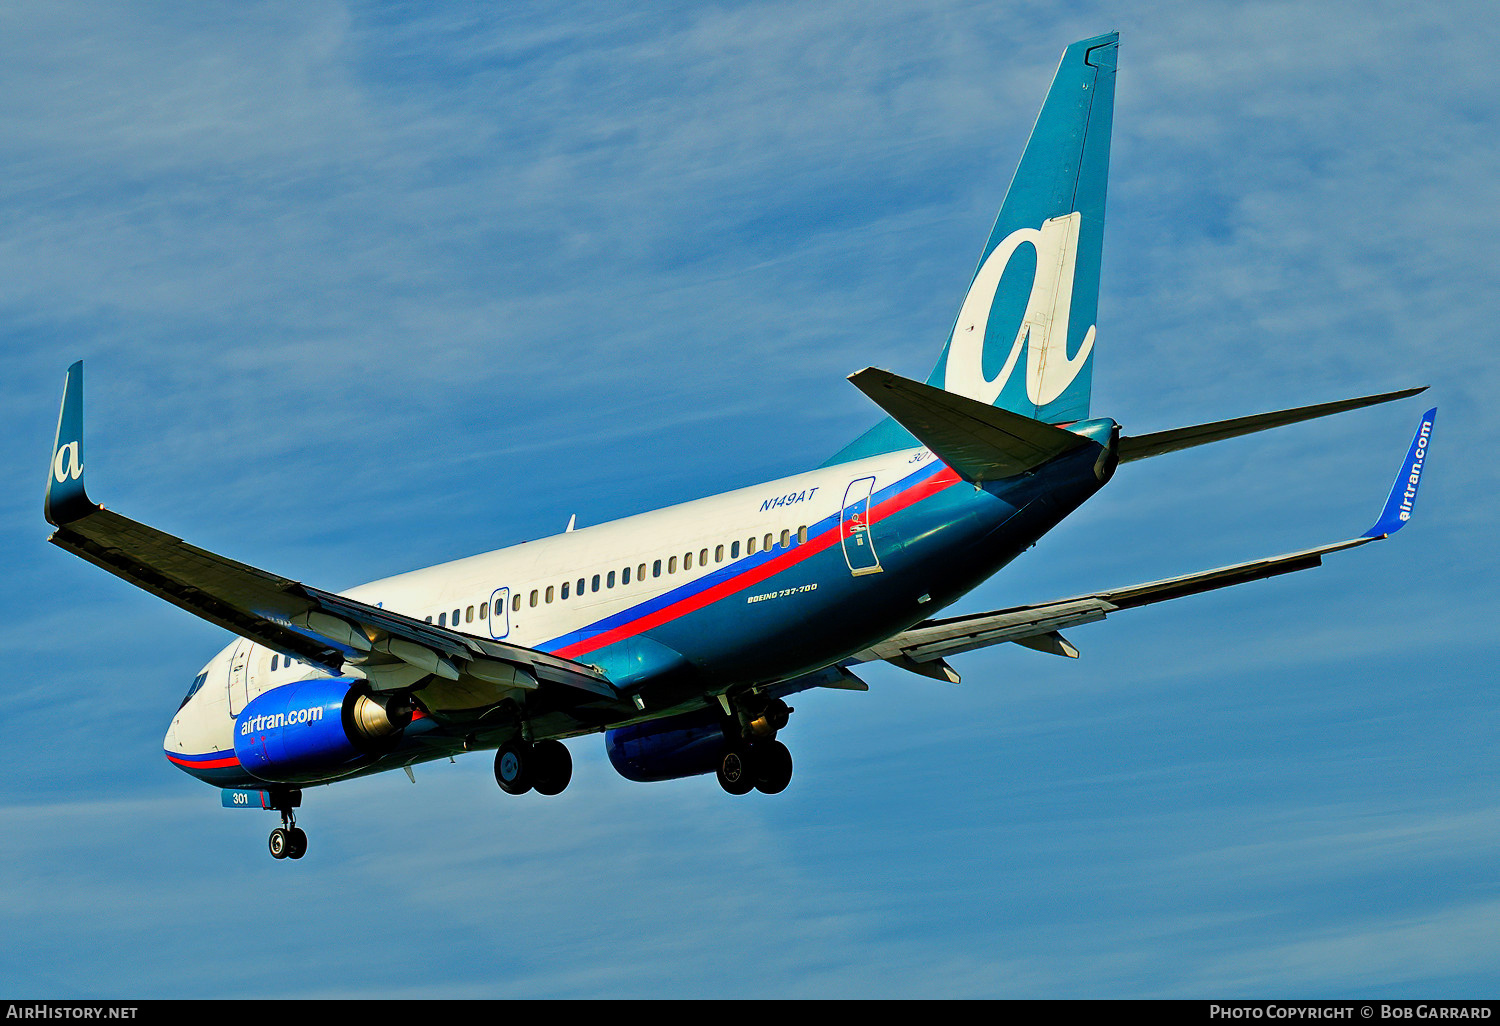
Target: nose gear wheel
287	841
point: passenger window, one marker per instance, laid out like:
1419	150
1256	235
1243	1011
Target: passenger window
625	576
469	615
672	565
750	547
549	593
273	662
802	535
515	603
533	598
565	591
429	619
786	538
770	540
687	561
442	619
703	558
640	572
734	550
596	582
656	569
581	589
609	582
484	610
719	554
455	618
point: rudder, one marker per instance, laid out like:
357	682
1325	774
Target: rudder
1036	288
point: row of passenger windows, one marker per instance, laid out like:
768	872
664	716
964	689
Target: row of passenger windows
583	585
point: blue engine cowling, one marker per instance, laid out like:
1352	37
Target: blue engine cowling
316	730
681	746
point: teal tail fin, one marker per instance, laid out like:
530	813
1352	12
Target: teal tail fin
1024	336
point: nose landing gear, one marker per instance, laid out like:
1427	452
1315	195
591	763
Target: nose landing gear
288	841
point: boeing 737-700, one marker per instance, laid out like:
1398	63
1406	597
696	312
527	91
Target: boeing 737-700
680	633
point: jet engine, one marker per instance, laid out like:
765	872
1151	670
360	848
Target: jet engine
679	746
317	730
693	743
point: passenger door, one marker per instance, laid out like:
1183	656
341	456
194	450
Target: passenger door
239	688
500	614
859	550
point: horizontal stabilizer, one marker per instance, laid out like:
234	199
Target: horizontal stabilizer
980	442
1138	447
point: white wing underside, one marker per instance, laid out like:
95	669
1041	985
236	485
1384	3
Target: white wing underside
923	648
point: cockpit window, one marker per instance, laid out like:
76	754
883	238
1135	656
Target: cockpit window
197	683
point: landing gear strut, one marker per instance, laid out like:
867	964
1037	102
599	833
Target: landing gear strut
754	760
545	767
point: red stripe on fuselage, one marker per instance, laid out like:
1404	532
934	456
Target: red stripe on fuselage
223	763
770	568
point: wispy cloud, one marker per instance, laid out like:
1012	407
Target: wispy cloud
364	287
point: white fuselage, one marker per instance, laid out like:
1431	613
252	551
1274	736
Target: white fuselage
538	593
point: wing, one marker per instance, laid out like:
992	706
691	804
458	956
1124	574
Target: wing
923	648
459	674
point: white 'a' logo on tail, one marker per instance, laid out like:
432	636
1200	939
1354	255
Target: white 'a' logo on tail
1049	372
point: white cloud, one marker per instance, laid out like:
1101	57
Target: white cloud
362	289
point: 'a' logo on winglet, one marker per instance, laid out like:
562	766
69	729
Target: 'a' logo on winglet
66	466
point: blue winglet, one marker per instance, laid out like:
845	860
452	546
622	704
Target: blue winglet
1403	495
66	499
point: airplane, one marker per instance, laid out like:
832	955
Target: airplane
680	633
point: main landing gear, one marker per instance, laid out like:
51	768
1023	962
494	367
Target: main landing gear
755	760
545	767
288	841
764	766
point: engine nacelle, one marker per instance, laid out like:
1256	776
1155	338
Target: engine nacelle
316	730
681	746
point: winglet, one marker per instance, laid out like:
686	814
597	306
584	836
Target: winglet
1403	497
66	499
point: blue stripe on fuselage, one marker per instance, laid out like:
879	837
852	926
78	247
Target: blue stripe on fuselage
746	564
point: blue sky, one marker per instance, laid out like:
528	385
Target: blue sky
366	287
